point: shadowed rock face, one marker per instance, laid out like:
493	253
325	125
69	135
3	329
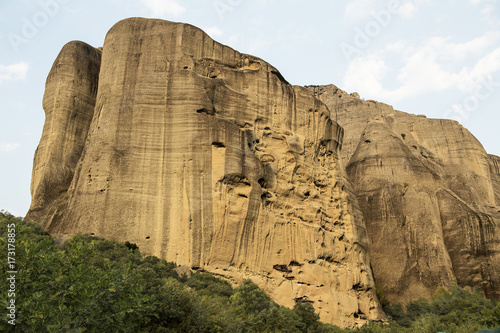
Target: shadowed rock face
429	194
206	157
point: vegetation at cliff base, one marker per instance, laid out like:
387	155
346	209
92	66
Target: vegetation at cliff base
88	284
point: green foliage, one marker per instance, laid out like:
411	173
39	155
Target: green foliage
459	310
90	284
306	312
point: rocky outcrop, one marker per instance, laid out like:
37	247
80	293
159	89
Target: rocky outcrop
494	162
206	157
68	102
429	194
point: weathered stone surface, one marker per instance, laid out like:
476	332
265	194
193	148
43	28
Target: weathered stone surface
68	102
209	158
429	194
494	162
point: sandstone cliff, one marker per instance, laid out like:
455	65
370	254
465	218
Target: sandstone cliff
429	194
206	157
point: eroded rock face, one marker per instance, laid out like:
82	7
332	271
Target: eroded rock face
429	194
206	157
68	102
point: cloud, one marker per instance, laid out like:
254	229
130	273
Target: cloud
489	10
13	72
213	31
438	64
8	146
358	10
164	7
362	10
407	9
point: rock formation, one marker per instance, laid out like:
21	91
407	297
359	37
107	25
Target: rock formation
429	193
206	157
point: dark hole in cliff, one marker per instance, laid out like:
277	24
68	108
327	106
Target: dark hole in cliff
290	277
249	145
265	196
218	144
242	195
186	67
367	141
294	263
282	268
302	299
326	257
357	286
213	76
92	234
262	182
148	237
257	141
235	180
359	314
342	238
267	128
206	111
312	261
280	77
403	135
102	190
307	193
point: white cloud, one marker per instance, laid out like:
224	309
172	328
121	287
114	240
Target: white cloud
436	65
164	7
13	72
489	10
365	74
8	146
359	10
490	13
407	9
213	31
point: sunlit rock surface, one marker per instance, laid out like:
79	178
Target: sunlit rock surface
206	157
429	193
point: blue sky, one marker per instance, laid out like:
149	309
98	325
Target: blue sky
438	58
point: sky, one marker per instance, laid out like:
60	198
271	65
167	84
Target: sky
437	58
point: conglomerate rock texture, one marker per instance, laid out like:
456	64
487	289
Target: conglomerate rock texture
429	193
206	157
